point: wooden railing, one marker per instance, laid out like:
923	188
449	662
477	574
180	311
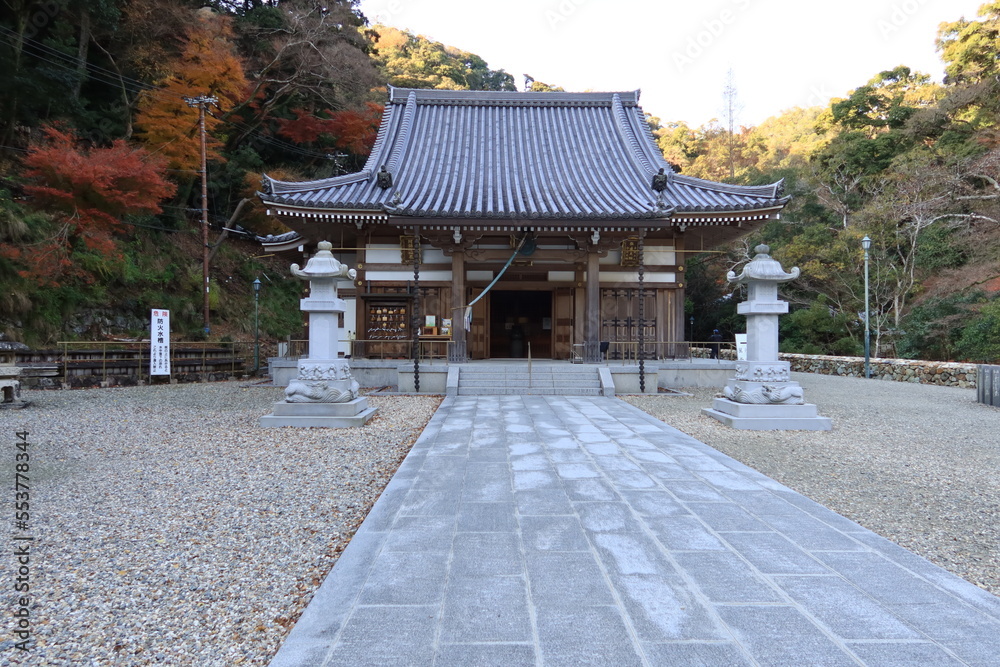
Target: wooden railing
438	348
658	350
125	358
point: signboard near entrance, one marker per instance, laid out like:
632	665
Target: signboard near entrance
159	343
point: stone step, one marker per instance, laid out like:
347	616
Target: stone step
592	383
545	380
567	376
525	374
536	391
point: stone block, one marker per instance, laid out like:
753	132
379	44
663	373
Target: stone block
319	415
767	417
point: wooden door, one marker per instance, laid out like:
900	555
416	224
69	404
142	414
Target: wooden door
562	329
479	337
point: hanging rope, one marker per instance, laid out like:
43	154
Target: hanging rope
468	308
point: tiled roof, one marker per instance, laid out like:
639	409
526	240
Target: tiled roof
475	154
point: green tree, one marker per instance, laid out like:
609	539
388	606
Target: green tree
412	61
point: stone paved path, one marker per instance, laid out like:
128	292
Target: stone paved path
554	530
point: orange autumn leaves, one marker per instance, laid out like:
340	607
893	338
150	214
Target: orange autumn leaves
207	66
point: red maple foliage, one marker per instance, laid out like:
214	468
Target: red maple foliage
89	191
354	131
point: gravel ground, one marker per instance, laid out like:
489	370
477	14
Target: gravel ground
917	464
170	530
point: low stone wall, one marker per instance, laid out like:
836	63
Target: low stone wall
900	370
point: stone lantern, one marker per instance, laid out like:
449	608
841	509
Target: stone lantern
10	385
324	393
762	395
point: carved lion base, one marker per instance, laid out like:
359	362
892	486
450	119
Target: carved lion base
322	381
760	393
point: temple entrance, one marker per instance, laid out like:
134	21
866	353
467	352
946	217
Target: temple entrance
517	319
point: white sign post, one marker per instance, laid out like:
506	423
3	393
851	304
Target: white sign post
741	347
159	343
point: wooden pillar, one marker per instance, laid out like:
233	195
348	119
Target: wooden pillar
592	316
680	320
360	350
458	351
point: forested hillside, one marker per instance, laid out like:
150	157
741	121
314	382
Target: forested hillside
100	192
912	164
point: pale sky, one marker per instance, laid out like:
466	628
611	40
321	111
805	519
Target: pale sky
783	53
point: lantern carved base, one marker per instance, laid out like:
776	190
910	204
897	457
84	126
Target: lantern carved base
322	382
324	395
764	393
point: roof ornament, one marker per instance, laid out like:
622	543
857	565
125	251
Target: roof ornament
265	184
595	237
384	178
397	198
660	181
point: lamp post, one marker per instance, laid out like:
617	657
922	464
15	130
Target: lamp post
256	325
866	243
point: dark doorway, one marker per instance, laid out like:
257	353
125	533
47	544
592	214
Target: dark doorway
519	318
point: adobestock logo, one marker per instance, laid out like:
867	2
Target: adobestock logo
385	16
561	12
899	15
711	30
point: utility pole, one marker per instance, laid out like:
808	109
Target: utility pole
202	103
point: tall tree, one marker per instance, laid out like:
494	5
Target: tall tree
731	108
207	66
305	55
413	61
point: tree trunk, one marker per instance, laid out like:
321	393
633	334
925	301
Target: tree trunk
225	230
81	52
22	26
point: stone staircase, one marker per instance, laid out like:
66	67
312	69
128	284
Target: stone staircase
494	379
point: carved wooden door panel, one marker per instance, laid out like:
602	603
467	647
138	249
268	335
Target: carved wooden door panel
479	336
562	330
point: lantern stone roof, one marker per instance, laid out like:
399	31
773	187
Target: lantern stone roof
763	267
458	154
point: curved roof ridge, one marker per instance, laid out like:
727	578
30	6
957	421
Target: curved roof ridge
511	98
403	136
277	187
648	142
639	159
381	139
772	190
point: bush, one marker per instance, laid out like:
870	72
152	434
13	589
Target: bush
818	329
980	339
933	329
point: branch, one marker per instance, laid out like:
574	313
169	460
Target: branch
225	229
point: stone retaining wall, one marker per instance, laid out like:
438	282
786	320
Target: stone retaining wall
901	370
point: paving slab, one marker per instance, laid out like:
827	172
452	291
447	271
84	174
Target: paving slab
578	530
